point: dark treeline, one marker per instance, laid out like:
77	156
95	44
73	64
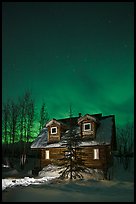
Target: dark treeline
21	123
125	144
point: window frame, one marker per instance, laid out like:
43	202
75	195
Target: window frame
85	125
53	133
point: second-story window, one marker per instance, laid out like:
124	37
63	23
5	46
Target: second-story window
53	130
87	126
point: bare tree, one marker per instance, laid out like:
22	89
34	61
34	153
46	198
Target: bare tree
13	128
125	144
5	133
30	119
10	121
5	122
26	121
13	121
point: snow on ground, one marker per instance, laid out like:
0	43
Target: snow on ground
49	173
76	191
46	188
10	182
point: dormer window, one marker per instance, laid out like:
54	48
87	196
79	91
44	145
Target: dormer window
87	126
53	130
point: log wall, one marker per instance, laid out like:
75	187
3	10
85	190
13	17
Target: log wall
86	154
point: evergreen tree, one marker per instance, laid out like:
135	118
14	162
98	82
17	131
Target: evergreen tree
44	117
72	164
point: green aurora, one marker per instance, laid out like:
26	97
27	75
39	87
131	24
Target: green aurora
79	54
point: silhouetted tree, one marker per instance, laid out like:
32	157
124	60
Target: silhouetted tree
18	121
5	122
14	110
26	122
125	144
44	117
5	132
30	119
72	164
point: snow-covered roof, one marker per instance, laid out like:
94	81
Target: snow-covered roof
53	121
87	116
41	140
103	135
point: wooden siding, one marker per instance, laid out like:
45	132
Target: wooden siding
90	133
54	137
104	156
55	154
85	153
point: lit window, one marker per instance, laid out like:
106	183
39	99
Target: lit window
96	153
47	154
67	154
87	126
53	130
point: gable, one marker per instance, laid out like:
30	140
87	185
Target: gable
87	117
53	122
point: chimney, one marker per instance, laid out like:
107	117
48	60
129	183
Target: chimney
79	115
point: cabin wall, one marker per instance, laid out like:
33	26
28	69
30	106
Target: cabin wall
104	157
55	156
86	154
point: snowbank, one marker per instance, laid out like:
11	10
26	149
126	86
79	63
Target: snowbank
48	173
10	182
51	171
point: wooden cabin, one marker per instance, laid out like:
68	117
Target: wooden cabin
97	134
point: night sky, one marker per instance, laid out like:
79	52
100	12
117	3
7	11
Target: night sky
78	54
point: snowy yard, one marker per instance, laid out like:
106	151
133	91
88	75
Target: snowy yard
45	189
83	191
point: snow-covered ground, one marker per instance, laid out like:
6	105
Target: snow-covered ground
46	175
46	188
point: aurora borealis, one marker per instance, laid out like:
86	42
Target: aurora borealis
79	54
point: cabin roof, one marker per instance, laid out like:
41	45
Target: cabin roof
103	135
74	120
53	121
87	116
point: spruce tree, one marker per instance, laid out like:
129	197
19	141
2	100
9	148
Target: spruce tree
72	163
